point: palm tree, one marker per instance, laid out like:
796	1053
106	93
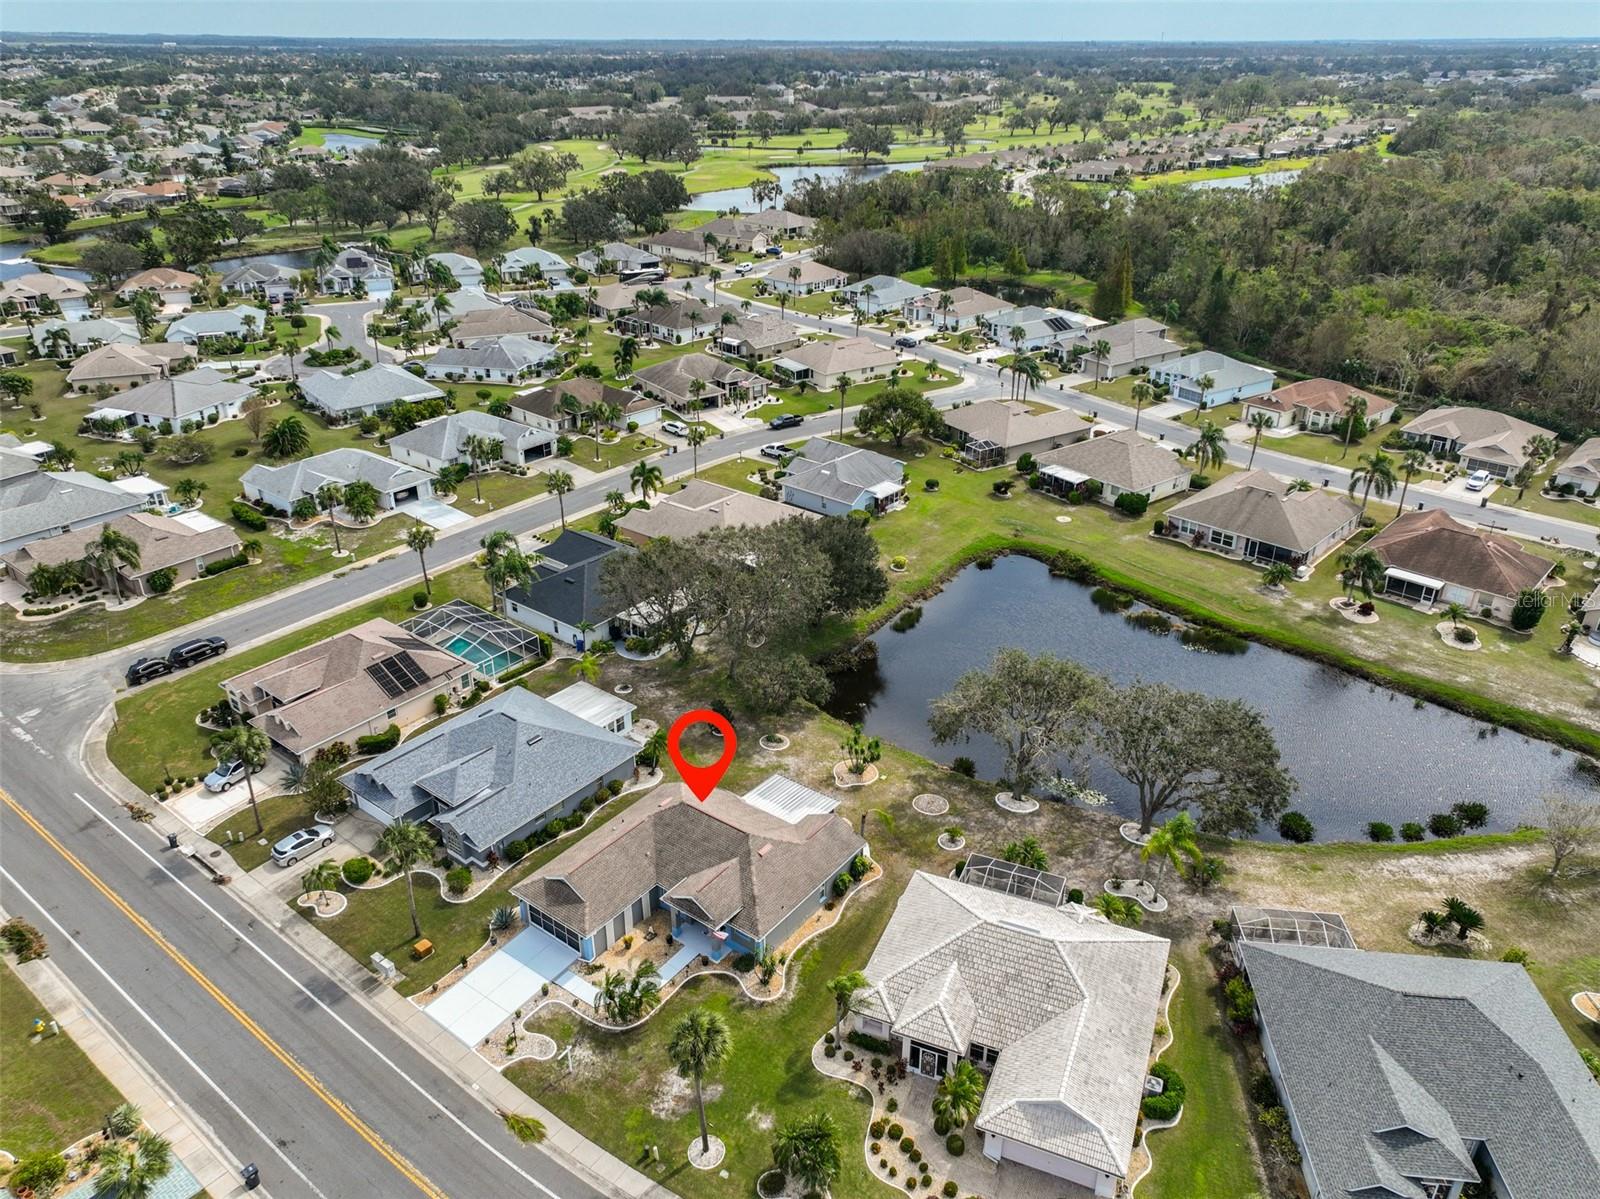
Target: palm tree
419	539
1277	574
960	1095
843	988
843	388
331	333
586	667
477	450
696	438
1361	570
645	478
406	843
1027	852
133	1171
1411	464
1376	472
1143	393
441	309
248	744
361	500
1102	353
1119	909
699	1042
1355	409
558	483
1173	842
1463	915
807	1150
110	550
1209	450
287	438
329	496
512	566
946	303
188	490
1204	384
321	878
1025	367
1259	421
1455	614
622	357
615	500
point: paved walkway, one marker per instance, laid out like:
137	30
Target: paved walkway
508	979
196	1153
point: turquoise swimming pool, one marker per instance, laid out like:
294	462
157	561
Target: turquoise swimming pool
488	662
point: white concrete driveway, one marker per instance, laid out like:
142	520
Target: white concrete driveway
495	988
434	513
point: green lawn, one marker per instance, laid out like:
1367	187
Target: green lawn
599	456
50	1093
155	734
280	816
788	399
816	304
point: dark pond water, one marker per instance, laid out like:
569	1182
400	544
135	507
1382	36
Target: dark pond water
1360	752
12	268
739	197
298	259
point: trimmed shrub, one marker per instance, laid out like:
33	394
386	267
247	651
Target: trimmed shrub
1412	831
357	871
1444	824
876	1128
458	879
965	766
222	564
950	1188
955	1145
1379	831
1167	1104
379	743
247	516
1470	813
41	1173
1131	503
871	1044
1075	895
896	1131
516	850
160	581
907	1144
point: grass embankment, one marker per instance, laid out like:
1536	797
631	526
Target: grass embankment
51	1094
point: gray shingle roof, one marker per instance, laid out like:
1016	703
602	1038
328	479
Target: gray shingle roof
377	386
567	586
35	502
1225	372
495	768
511	353
444	436
1259	505
841	472
179	397
1395	1065
1122	459
342	466
226	321
1068	999
1010	423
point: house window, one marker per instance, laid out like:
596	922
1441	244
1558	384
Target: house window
1222	539
392	712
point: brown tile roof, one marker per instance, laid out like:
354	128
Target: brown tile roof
698	508
740	865
1122	459
1438	546
546	401
162	542
1258	505
1319	395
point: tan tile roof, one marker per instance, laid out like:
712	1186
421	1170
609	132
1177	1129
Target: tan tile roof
846	354
1438	546
1122	459
1259	505
699	508
1010	423
162	542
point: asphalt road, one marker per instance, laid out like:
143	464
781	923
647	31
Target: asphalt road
270	1098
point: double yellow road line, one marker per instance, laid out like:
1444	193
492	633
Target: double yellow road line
339	1107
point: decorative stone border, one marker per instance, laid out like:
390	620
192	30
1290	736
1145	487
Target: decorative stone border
774	742
1130	834
622	689
846	781
1475	943
336	905
951	846
1157	1125
1447	634
542	1048
1587	1004
1008	802
1063	520
1141	892
930	804
711	1158
1352	612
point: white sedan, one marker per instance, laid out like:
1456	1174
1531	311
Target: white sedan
1478	480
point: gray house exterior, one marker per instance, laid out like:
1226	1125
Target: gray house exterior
493	774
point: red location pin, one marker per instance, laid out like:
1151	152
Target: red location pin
702	780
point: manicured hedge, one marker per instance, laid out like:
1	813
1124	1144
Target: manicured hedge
222	564
247	516
378	743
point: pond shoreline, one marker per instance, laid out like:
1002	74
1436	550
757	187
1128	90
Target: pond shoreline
1553	729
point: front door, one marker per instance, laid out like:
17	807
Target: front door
929	1060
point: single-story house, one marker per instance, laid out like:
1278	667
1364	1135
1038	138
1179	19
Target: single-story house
720	382
821	364
183	544
1580	469
201	396
438	443
175	288
736	233
756	337
680	245
994	432
1479	438
355	265
508	359
61	339
467	272
731	870
1140	342
627	262
1057	1005
501	320
364	392
1317	405
531	262
1414	1075
1122	462
352	684
675	322
967	307
1041	328
280	486
36	503
1257	516
493	774
700	507
1433	559
612	300
565	592
781	223
269	281
806	277
117	366
548	408
34	291
881	294
1227	379
198	327
832	479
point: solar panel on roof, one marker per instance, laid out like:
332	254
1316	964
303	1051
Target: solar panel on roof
380	674
1058	324
407	669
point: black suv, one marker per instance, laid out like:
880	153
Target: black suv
142	670
198	650
787	421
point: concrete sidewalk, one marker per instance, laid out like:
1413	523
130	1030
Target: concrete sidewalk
192	1142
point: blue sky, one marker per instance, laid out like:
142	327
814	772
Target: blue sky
821	20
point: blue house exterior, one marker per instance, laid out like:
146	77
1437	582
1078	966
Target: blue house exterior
1229	378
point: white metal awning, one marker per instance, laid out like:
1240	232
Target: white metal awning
1406	576
1065	475
110	414
790	366
885	489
